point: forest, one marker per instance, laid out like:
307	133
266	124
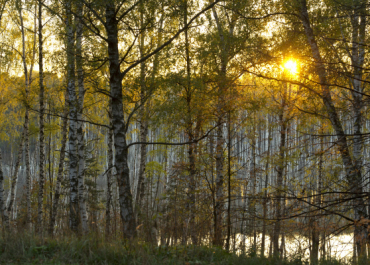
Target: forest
237	126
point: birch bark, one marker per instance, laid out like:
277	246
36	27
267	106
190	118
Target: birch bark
220	141
14	181
3	208
39	225
143	124
280	176
28	78
109	174
315	234
119	126
265	199
72	137
58	184
80	126
351	164
358	22
190	132
4	213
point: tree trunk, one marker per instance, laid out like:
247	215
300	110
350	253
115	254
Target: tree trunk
358	21
14	181
27	78
119	125
280	175
58	184
141	177
253	179
39	225
315	234
351	165
228	182
72	137
4	213
265	189
145	91
143	124
109	175
222	85
50	169
191	203
218	240
80	126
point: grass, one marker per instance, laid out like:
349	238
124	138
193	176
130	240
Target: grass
24	249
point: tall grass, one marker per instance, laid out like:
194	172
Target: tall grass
28	249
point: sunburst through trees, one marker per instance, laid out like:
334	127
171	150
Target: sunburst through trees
236	124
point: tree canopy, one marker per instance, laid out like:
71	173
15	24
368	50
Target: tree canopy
237	124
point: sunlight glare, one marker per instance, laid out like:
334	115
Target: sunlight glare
291	66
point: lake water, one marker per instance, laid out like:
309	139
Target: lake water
339	247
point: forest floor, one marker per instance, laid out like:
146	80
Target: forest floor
20	249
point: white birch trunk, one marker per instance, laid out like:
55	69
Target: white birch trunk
58	184
72	138
14	180
353	173
4	213
119	125
39	225
80	125
109	175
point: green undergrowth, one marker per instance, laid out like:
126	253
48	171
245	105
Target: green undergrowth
18	249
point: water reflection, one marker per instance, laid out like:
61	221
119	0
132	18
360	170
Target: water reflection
339	247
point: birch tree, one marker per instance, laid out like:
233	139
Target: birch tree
39	225
114	13
72	115
80	130
352	163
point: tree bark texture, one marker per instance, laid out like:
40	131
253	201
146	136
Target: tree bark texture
351	165
109	174
191	203
265	199
27	78
280	177
4	213
80	126
119	125
39	225
72	137
220	113
14	180
58	184
140	189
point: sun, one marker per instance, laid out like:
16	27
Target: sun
291	66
